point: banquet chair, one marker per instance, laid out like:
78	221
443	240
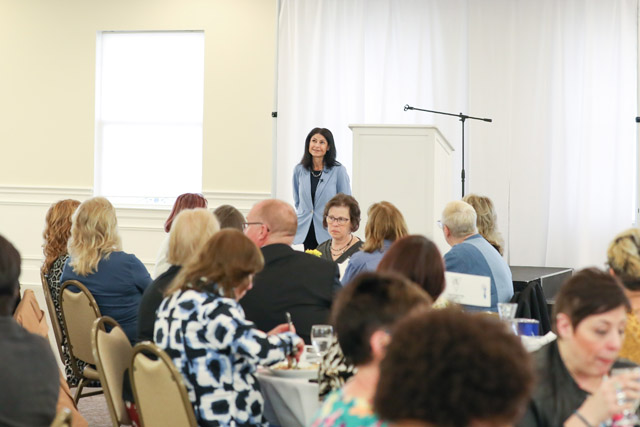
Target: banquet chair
159	391
112	353
79	311
62	419
55	323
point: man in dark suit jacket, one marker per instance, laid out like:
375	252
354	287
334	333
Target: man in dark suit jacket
292	281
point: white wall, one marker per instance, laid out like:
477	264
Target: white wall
47	103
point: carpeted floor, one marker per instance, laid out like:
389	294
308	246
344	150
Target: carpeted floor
94	409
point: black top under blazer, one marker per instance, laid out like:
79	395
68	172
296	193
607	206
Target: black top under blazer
292	281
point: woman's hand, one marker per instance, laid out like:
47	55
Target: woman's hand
614	395
283	327
298	345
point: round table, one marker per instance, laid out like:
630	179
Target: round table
288	402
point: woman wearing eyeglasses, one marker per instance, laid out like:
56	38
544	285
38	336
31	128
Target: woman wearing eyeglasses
316	179
341	219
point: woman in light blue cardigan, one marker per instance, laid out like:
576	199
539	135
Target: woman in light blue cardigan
316	179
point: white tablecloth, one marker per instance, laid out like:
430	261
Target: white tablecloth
288	402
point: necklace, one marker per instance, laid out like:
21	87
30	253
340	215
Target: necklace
316	176
341	250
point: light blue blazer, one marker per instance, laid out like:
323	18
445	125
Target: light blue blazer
333	181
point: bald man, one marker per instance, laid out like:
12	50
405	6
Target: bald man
291	281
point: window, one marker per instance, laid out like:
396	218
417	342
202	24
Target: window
149	112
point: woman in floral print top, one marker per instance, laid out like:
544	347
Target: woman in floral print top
363	314
202	328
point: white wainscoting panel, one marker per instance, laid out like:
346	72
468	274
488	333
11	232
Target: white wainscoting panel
23	210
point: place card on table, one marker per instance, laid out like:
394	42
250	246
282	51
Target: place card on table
467	289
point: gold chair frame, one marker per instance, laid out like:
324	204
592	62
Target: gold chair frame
111	376
140	360
77	327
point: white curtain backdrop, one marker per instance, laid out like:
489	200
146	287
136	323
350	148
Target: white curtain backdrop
557	77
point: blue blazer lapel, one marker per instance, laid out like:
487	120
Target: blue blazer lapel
306	189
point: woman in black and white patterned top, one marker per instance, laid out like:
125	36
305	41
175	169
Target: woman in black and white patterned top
56	235
202	328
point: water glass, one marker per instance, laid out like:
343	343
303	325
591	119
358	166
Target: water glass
507	311
629	416
321	337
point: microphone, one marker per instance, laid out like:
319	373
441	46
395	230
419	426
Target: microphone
487	120
637	119
407	107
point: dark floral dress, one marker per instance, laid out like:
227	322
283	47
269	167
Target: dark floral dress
53	280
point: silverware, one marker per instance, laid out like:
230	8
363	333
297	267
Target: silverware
291	360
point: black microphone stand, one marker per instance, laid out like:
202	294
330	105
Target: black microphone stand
462	118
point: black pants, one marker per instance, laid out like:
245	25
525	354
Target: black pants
310	241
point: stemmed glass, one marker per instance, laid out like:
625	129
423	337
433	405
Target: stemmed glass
629	416
321	338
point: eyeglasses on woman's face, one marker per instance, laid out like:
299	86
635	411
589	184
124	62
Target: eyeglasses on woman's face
340	219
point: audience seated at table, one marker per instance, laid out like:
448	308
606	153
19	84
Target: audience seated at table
471	254
623	258
202	328
56	236
363	315
416	258
183	201
115	278
451	368
29	375
341	219
385	225
291	281
487	220
573	386
229	217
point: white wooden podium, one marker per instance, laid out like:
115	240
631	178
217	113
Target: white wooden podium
407	165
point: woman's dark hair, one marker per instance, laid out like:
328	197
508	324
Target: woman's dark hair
449	368
370	302
347	201
185	201
329	158
588	292
418	259
229	217
9	268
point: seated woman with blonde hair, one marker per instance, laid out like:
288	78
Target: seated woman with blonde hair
623	257
202	328
487	220
115	278
191	229
385	225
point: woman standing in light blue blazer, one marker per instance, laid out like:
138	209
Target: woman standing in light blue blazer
316	179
